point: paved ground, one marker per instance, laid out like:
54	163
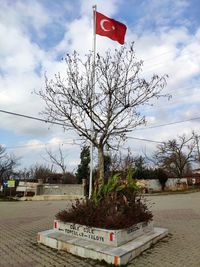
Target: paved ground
20	221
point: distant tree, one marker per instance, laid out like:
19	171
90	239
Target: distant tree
25	174
116	163
120	163
175	156
7	164
69	178
161	175
196	137
140	170
57	159
40	172
107	166
114	109
83	171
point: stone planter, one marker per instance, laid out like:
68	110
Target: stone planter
112	238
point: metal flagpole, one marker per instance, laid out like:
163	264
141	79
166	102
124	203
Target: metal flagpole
93	92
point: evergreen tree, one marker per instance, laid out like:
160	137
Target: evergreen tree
140	170
83	171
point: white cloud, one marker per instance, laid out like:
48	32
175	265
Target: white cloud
78	37
17	53
34	14
161	13
25	14
34	143
108	7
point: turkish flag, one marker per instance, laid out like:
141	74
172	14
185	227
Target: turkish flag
110	28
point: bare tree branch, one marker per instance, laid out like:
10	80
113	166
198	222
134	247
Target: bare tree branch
113	109
7	164
58	160
175	156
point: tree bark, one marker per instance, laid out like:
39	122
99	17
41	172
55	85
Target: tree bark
101	165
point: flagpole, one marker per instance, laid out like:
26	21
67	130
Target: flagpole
93	92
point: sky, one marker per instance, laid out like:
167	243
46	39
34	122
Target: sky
36	34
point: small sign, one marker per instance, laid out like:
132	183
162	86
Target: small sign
5	182
11	183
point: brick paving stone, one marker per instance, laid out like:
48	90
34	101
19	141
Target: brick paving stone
20	222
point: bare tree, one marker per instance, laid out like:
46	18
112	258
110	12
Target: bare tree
7	164
122	162
175	156
196	137
39	171
57	159
113	109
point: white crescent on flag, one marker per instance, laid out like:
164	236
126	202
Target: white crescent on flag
103	28
110	28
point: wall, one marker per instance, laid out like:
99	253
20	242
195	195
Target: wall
171	184
26	187
61	189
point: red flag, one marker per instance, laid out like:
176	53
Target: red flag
110	28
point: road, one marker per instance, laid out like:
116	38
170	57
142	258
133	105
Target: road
20	222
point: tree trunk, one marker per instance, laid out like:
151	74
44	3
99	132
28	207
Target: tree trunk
101	165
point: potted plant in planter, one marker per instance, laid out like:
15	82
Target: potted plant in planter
113	226
113	207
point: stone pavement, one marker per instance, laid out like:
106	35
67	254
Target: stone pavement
20	221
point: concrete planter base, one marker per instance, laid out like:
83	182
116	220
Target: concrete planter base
88	249
112	238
